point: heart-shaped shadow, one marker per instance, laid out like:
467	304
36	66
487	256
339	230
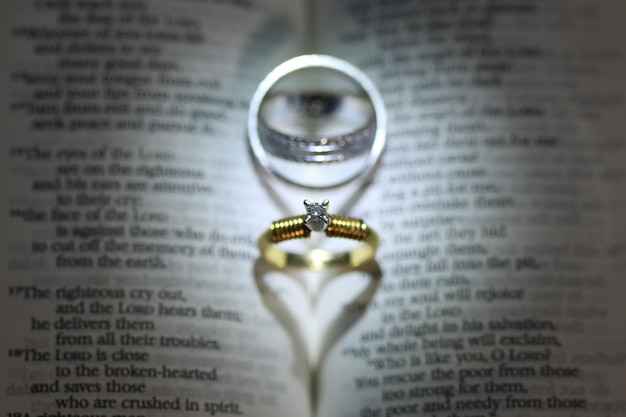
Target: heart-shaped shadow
288	197
310	343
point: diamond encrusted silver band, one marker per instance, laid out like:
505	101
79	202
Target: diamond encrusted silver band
317	148
317	111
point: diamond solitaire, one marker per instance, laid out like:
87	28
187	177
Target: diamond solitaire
316	216
317	219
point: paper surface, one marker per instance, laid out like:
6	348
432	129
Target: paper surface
132	280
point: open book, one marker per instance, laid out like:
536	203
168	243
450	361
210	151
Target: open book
131	283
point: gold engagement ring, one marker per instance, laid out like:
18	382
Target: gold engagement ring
317	219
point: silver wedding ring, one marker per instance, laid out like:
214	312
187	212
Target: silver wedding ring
310	115
317	121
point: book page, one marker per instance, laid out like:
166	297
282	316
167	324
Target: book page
500	202
129	213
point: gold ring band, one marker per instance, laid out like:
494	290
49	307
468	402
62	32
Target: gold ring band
318	259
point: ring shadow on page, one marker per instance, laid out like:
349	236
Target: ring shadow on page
306	374
275	186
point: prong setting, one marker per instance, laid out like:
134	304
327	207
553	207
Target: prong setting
316	219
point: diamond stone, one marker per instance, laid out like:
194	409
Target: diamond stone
316	216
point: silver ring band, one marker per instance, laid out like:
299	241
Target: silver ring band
308	108
311	90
